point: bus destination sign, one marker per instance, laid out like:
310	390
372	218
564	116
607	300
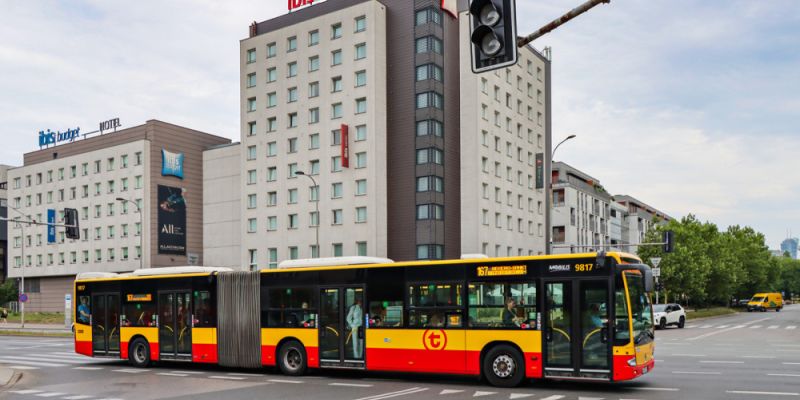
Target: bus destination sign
502	270
140	297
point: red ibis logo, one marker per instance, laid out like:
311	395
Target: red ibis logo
299	3
434	339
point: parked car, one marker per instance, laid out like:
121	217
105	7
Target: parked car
669	314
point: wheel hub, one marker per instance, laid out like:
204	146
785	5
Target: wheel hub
504	366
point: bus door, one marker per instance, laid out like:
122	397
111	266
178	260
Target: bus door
341	329
175	325
105	324
576	331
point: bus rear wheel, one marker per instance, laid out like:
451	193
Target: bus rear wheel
503	366
139	353
292	358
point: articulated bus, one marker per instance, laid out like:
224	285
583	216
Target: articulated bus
575	316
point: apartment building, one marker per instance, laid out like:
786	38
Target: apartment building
3	224
138	192
399	143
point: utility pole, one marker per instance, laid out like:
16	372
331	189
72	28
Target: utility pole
560	21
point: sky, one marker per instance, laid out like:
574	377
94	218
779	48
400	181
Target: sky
692	106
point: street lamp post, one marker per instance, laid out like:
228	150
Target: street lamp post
21	289
552	200
316	205
141	227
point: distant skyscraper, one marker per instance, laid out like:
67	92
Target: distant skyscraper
790	245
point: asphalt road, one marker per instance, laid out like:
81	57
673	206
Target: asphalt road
745	356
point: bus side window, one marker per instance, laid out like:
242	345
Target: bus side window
385	298
204	315
292	308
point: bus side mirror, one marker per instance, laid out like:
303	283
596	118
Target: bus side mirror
649	285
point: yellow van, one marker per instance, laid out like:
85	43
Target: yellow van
765	301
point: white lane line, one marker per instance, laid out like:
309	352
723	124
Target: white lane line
786	363
772	327
762	393
394	394
481	394
722	326
515	396
450	391
755	326
242	374
691	326
791	327
28	391
88	368
350	384
283	381
188	372
722	362
50	394
171	374
705	326
233	378
658	389
15	360
79	397
556	397
689	355
760	357
22	367
790	375
696	373
130	370
45	359
68	356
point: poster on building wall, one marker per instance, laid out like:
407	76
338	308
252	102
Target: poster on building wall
171	220
539	170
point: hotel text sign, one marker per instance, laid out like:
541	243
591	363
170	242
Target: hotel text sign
48	138
295	4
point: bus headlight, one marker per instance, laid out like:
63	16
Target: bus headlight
632	362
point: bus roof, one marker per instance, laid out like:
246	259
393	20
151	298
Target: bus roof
150	273
620	257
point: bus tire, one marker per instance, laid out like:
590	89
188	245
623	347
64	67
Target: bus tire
778	309
139	353
681	322
504	366
292	358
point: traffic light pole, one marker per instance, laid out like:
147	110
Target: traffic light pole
560	21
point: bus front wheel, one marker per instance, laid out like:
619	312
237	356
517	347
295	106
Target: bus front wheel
292	358
139	353
503	366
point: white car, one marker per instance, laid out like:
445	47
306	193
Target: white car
668	314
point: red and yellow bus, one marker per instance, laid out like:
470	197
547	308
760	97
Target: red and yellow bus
569	317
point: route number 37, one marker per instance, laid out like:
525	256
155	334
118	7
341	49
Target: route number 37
583	267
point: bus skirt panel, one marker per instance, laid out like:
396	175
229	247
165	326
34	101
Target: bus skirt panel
83	339
204	345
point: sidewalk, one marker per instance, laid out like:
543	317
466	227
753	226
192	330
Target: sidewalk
6	374
35	328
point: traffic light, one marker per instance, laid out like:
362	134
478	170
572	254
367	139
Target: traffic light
493	34
71	220
669	241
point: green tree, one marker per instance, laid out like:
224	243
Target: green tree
8	291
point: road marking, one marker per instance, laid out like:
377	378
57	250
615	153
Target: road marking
46	359
763	393
79	397
791	375
689	355
394	394
171	374
243	374
591	398
282	381
350	384
656	389
130	370
722	326
696	373
50	394
706	326
17	360
755	326
791	327
28	391
772	327
481	394
691	326
188	372
722	362
233	378
450	391
556	397
88	368
786	363
22	367
760	357
519	395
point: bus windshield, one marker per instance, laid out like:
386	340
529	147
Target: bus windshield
641	311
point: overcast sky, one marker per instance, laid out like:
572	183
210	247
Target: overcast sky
692	106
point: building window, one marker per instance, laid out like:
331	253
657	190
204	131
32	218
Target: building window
430	183
313	63
314	167
251	177
272	74
559	234
272	199
430	127
361	248
272	224
252	255
272	174
430	155
336	137
430	252
251	80
361	215
428	15
292	196
313	115
273	258
336	84
337	217
336	164
361	51
336	57
291	44
293	253
293	170
336	190
361	24
291	69
293	221
252	201
361	105
313	218
272	124
272	50
430	211
313	89
361	133
336	111
251	104
313	141
251	152
272	149
291	95
361	187
313	38
428	44
251	56
361	160
361	78
337	250
430	71
251	128
336	31
430	99
252	227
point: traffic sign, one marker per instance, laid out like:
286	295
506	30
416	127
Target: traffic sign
656	272
23	297
655	261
